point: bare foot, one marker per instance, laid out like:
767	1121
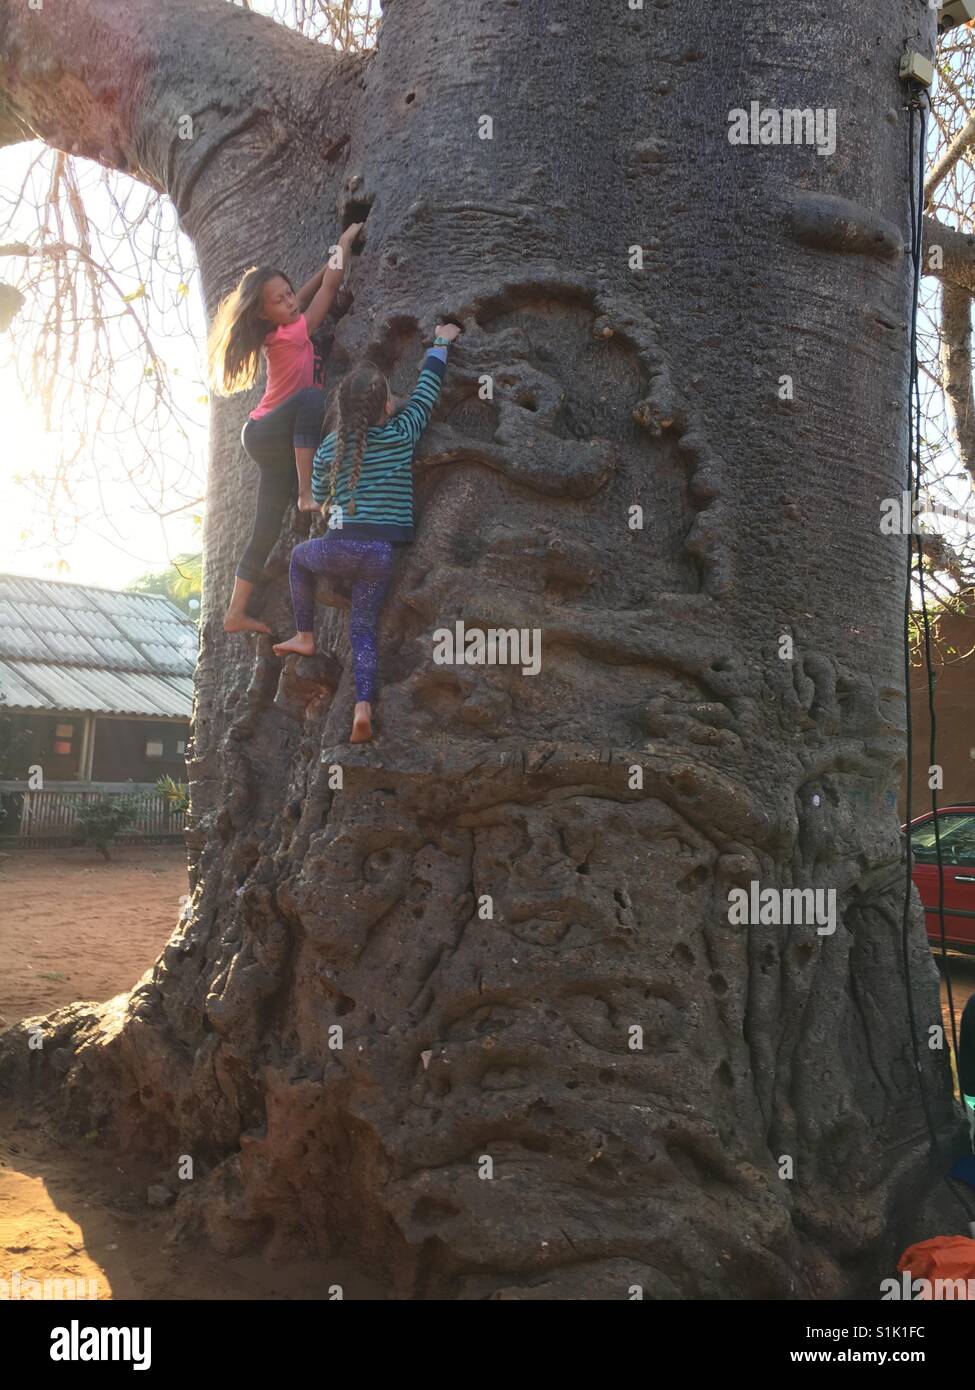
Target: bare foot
241	622
302	644
362	723
307	503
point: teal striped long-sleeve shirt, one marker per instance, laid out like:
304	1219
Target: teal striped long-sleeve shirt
384	492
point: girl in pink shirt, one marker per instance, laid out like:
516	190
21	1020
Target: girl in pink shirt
264	316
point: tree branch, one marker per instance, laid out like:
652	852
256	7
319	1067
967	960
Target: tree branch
956	364
941	554
157	87
956	263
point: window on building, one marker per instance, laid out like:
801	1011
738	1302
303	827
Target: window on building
63	737
154	748
180	746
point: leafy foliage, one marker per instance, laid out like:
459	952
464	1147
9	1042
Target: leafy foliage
181	583
105	817
177	794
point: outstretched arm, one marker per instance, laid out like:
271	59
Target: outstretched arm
310	288
329	279
413	419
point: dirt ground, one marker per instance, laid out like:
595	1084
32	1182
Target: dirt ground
73	927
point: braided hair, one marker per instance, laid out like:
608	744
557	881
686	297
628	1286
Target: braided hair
360	403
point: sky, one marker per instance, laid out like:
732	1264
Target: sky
109	550
132	501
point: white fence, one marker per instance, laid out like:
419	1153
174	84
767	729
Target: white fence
37	818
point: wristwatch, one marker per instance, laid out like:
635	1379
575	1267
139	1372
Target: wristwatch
442	342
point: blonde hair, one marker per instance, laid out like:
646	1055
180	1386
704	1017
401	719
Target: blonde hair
359	404
235	340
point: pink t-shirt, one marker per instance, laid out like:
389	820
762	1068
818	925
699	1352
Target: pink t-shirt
292	364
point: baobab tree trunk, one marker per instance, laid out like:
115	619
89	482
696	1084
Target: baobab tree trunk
467	1002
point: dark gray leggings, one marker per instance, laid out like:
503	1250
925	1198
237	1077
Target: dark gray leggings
271	442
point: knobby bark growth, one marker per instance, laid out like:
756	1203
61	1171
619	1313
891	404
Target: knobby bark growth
316	908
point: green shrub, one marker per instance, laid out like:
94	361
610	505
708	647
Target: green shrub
176	793
103	818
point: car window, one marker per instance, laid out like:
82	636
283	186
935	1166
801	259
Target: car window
957	834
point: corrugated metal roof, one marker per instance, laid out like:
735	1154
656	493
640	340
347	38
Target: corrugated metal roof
119	655
36	685
16	688
25	645
73	647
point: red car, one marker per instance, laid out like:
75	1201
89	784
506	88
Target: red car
956	831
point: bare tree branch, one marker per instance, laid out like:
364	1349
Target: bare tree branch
955	261
956	364
940	555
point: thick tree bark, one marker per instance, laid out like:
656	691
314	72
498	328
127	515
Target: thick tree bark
510	1039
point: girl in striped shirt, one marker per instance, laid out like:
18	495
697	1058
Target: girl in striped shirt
362	474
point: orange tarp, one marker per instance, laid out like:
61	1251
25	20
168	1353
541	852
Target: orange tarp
945	1258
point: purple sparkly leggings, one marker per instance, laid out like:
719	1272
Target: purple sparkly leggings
360	568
